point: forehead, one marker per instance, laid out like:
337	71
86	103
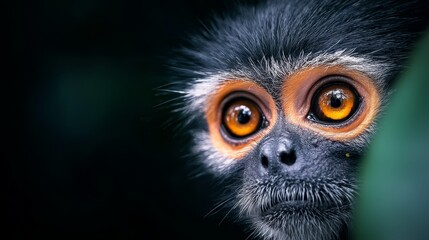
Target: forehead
271	74
273	39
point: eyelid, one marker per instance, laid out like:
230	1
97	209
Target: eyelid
246	95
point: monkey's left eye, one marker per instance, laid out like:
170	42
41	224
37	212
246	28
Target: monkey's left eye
241	117
334	103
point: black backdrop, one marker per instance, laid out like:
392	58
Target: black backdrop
86	152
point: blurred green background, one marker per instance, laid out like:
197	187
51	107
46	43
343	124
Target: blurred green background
394	201
87	154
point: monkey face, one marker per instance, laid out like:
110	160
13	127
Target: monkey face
296	151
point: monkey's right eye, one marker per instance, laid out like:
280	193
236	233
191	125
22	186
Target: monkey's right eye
239	114
242	117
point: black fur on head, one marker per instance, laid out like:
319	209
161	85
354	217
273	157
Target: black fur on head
266	42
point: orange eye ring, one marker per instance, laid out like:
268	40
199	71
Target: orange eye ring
241	117
333	103
237	145
298	105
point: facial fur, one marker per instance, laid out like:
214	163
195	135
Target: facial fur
294	182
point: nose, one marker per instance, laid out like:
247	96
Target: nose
275	155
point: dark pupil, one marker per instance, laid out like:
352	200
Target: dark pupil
244	114
336	99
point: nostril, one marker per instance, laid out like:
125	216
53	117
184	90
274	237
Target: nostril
264	161
288	158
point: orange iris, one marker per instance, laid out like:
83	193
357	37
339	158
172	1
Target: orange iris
242	117
336	102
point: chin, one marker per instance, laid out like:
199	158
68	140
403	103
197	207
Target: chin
298	209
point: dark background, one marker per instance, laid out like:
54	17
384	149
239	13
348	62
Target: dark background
87	153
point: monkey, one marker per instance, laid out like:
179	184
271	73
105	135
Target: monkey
286	96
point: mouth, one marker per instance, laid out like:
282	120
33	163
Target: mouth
298	218
293	207
296	214
281	199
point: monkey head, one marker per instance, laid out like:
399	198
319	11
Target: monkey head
288	94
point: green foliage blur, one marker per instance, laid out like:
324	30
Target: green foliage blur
394	201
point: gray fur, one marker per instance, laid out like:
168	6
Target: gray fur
266	43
